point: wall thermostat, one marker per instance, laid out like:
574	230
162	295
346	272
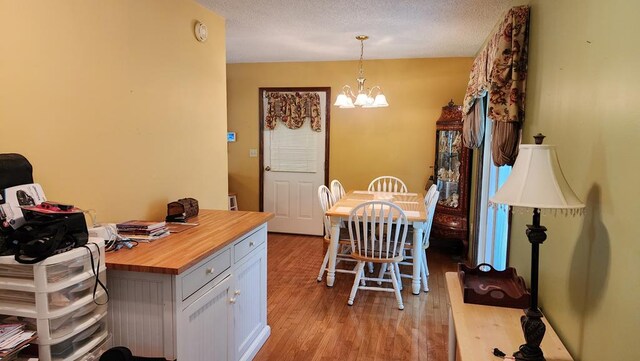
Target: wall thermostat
201	31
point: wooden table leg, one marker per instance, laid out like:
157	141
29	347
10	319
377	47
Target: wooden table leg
452	337
333	250
418	253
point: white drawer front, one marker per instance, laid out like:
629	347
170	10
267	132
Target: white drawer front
250	243
200	276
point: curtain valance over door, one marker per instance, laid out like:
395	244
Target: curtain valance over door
292	109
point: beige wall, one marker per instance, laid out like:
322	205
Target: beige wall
115	103
582	94
365	143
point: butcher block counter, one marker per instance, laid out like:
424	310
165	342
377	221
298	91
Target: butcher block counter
179	251
200	294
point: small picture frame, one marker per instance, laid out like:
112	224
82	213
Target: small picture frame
231	137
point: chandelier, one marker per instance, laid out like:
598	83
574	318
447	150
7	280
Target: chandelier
364	98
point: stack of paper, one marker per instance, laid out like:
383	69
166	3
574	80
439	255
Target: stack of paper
146	231
14	338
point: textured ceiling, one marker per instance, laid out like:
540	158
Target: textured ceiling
323	30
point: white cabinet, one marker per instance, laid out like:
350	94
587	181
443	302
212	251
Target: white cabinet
204	326
250	315
216	310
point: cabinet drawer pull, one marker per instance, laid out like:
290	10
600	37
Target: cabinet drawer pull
251	244
237	292
232	300
209	270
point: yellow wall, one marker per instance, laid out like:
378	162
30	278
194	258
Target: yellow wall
115	103
365	143
583	94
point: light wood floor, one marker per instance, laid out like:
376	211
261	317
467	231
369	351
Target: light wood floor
310	321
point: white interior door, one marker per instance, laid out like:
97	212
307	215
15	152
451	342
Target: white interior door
293	169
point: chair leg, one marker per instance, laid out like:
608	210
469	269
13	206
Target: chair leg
425	263
394	281
324	266
363	281
356	282
423	277
370	267
383	270
397	269
425	270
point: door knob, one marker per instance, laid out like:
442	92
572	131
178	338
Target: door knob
267	168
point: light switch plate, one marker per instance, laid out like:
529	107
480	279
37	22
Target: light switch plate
253	152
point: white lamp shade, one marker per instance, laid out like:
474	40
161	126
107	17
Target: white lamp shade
381	101
361	99
341	100
536	181
369	103
348	103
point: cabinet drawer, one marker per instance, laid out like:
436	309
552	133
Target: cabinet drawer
200	276
248	244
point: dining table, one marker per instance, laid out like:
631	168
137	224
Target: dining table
411	203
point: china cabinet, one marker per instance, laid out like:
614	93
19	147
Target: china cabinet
452	175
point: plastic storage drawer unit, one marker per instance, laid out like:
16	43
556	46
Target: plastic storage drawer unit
56	298
53	271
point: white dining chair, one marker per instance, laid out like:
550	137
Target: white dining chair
387	183
326	202
378	230
430	202
337	190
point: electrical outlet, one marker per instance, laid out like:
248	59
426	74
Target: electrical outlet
253	153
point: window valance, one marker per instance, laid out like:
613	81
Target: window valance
499	70
292	109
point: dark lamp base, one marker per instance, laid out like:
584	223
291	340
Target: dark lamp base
528	355
534	330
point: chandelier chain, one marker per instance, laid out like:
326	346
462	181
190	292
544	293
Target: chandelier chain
361	55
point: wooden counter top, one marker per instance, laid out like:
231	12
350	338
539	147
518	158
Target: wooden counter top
179	251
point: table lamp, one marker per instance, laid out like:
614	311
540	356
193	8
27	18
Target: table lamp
536	182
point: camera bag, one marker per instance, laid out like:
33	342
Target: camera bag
46	234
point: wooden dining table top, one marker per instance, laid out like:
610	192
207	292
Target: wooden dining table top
411	203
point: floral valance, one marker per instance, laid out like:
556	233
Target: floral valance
509	71
292	109
500	69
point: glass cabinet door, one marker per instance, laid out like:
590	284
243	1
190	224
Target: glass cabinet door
448	167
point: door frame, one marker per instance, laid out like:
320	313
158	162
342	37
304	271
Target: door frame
261	92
